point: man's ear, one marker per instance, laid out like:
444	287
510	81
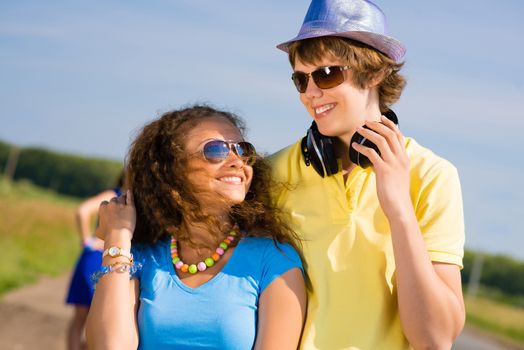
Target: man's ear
377	78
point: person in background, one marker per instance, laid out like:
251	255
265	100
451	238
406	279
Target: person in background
382	226
196	257
81	289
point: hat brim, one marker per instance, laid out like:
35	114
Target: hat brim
387	45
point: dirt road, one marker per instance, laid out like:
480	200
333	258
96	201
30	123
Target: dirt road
35	317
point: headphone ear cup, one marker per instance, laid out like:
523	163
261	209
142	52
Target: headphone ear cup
358	158
318	151
391	116
311	152
328	154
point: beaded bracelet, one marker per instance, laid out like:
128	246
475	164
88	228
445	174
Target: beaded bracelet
119	267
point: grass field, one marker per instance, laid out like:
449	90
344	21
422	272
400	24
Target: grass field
37	234
503	320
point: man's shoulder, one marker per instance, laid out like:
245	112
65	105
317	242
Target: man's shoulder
286	161
425	162
285	153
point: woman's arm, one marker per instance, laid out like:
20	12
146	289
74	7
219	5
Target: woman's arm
86	210
281	312
111	323
430	299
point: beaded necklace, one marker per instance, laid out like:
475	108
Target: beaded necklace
207	262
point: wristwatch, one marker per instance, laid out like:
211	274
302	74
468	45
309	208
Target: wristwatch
115	252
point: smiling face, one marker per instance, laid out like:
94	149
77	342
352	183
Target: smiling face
216	183
338	111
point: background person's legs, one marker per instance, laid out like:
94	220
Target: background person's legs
75	332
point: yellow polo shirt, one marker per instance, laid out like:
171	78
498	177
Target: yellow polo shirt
348	248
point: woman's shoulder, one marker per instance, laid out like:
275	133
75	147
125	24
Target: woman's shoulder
145	251
265	259
262	243
268	249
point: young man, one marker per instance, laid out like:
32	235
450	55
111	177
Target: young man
383	243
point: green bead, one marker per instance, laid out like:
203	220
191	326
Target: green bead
223	245
233	233
192	268
209	262
175	260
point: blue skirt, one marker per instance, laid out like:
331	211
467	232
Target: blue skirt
81	289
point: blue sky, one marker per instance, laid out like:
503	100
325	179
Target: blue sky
83	76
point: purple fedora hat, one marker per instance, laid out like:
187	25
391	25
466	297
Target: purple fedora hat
359	20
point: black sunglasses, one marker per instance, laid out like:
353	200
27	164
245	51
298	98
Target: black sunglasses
216	151
324	77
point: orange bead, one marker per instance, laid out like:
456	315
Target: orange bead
227	241
184	268
215	256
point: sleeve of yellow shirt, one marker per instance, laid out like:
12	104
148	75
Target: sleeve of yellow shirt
438	207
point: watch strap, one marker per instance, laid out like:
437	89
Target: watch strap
116	252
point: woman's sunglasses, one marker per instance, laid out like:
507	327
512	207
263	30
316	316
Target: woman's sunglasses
216	151
324	78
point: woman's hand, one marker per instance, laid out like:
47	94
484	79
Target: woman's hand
391	167
117	218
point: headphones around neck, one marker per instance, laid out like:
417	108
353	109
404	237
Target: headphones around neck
318	150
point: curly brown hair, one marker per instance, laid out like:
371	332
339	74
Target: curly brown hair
163	195
367	64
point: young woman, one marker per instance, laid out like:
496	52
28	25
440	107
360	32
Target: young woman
383	243
218	267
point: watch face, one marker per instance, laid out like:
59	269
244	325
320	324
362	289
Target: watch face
113	251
